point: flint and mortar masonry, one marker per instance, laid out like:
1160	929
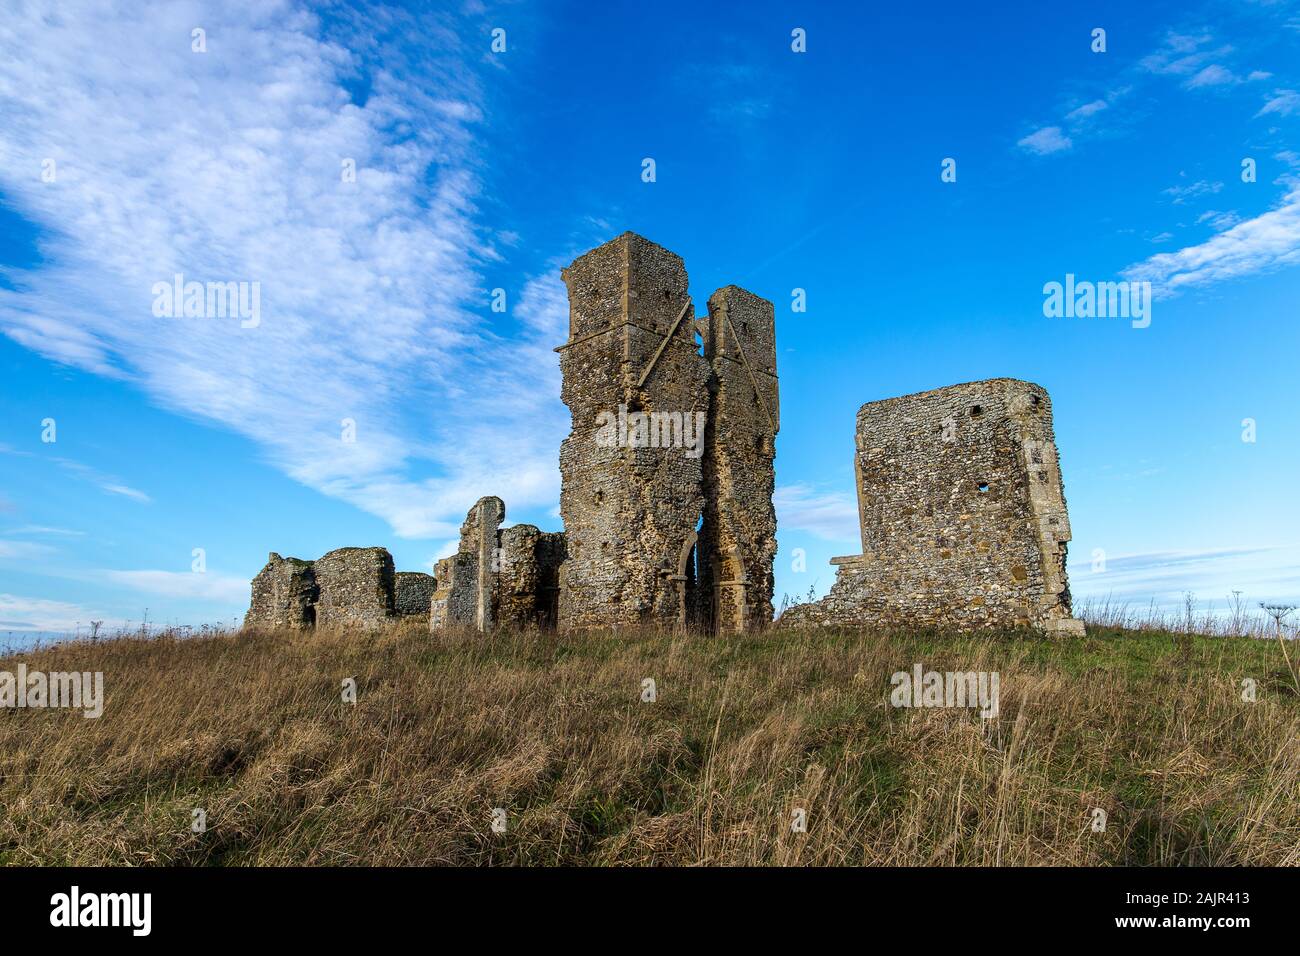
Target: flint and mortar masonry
962	514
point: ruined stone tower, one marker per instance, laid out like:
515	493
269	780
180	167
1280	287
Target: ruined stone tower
962	513
738	536
667	471
630	513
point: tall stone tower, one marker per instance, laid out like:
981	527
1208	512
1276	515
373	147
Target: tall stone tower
738	536
632	491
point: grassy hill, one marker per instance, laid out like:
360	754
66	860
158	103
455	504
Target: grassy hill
252	728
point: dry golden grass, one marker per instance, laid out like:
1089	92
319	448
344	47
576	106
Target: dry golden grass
252	728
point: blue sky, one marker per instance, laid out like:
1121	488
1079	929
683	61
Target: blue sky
479	170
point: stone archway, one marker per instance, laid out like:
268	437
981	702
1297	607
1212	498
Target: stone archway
687	582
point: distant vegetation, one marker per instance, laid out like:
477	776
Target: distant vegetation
251	728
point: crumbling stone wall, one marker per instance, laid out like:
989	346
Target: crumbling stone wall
737	542
413	594
356	587
630	513
464	595
962	511
498	577
447	607
284	595
527	585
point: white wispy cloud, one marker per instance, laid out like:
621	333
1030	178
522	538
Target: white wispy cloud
208	586
36	614
227	166
1192	55
1045	141
1282	103
107	483
44	530
1202	187
1087	110
1213	75
1183	54
1266	242
829	515
24	549
1165	577
1219	220
1218	75
737	93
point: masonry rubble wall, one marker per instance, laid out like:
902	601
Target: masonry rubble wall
284	595
413	593
737	539
962	515
356	588
499	577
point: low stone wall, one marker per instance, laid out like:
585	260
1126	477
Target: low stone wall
413	594
356	588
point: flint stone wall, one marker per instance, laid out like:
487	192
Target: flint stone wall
629	513
356	587
962	513
284	595
413	594
528	577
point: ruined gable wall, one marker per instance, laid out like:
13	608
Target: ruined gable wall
962	514
738	536
937	548
356	587
628	512
480	541
466	580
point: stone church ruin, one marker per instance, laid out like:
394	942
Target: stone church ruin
667	479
